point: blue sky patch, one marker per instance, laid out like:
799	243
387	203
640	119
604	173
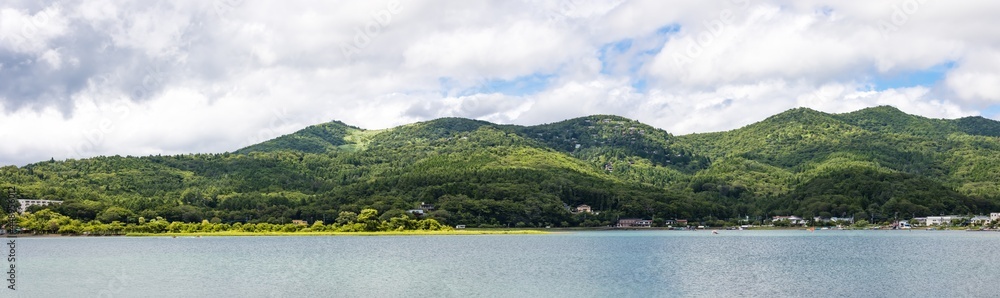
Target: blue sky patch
627	56
611	54
924	77
639	84
630	54
523	85
668	29
992	111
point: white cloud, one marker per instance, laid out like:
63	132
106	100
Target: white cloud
22	31
502	51
112	77
977	79
52	58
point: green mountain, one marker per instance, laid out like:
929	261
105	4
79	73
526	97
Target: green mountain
868	161
314	139
876	163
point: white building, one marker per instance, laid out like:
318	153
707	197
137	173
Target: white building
795	220
28	203
995	216
842	219
942	220
980	220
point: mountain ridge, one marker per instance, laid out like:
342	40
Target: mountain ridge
972	125
872	162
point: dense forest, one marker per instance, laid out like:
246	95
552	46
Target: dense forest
877	163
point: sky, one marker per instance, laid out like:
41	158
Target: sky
87	78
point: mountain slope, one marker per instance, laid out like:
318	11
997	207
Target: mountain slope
615	137
978	126
787	157
313	139
876	162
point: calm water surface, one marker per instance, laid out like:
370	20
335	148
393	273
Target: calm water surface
579	264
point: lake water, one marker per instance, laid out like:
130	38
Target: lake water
577	264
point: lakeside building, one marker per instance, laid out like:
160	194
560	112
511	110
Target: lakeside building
947	219
634	223
834	219
583	209
944	219
426	207
842	219
422	209
299	222
795	220
980	220
28	203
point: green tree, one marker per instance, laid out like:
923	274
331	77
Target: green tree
369	219
347	217
74	227
317	226
115	214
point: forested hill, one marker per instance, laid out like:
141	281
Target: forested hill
876	163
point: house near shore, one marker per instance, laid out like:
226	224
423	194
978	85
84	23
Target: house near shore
583	209
842	219
28	203
900	225
980	220
421	209
300	222
941	220
794	220
634	223
426	207
834	219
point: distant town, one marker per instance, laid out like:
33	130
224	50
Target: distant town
989	222
977	222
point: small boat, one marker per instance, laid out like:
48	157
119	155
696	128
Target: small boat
715	232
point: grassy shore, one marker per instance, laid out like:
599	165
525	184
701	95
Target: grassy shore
386	233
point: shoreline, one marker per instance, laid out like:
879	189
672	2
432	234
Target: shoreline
477	231
384	233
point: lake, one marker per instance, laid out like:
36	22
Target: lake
574	264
